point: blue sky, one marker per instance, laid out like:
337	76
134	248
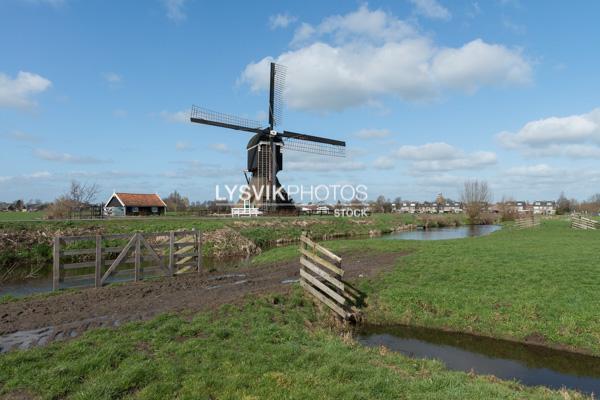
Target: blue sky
427	94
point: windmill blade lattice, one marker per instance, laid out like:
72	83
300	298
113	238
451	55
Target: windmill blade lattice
209	117
308	146
278	75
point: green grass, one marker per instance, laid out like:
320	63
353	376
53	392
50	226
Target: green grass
272	348
21	216
512	284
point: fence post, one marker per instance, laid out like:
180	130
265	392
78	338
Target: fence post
138	257
56	263
99	262
199	246
171	252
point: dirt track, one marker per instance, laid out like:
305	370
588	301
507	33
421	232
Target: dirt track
34	322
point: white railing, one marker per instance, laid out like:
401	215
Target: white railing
245	212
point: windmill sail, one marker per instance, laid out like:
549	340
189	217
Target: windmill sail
208	117
277	86
313	144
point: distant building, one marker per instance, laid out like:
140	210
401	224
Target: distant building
450	207
127	204
544	207
408	207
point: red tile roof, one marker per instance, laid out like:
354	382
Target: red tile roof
140	200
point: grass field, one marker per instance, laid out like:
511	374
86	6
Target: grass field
541	283
273	348
21	216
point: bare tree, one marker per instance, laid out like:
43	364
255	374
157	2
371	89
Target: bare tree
82	193
475	197
77	197
177	202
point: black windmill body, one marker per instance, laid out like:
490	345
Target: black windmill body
265	156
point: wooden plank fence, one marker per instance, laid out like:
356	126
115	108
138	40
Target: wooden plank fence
580	222
321	275
95	260
527	221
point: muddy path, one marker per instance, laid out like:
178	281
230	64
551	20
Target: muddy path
37	321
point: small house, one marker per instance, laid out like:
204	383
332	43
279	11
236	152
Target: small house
130	204
544	207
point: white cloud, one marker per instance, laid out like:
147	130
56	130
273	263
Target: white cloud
182	117
431	9
572	136
294	161
220	147
354	59
20	136
281	21
112	78
183	146
372	133
120	113
196	168
433	157
53	3
50	155
175	10
384	162
538	170
39	174
17	92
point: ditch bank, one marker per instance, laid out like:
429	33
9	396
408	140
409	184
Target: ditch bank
41	319
26	249
530	364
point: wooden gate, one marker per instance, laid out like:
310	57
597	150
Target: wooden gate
579	222
99	259
527	221
321	275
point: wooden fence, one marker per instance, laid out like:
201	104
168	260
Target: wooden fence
579	222
98	259
527	221
321	275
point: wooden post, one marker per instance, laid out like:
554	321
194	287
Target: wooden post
138	258
199	244
98	272
171	252
56	264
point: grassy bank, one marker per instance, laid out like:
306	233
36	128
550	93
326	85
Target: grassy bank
25	247
540	285
272	348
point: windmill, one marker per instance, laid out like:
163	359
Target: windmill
265	158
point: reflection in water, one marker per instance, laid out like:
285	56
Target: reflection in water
531	365
444	233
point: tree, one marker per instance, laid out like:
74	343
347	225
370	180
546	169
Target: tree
82	194
78	196
475	197
177	202
563	205
382	205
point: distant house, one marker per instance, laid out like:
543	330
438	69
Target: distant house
408	207
544	207
126	204
450	207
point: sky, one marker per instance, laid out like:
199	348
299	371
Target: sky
427	94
